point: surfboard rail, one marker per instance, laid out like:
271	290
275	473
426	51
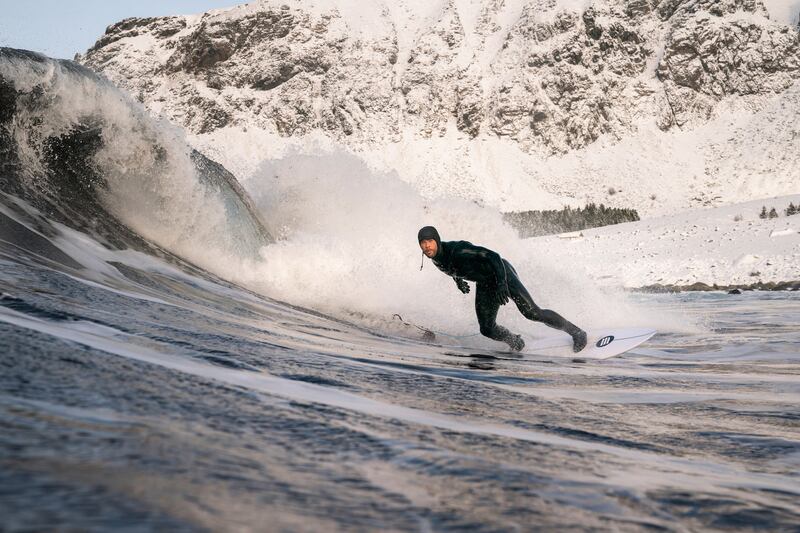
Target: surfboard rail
601	343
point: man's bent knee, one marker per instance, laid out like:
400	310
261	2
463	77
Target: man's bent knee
533	314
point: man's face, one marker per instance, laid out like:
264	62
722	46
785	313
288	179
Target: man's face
429	247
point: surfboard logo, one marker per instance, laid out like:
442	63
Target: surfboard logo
605	341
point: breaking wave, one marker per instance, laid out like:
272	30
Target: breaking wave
84	153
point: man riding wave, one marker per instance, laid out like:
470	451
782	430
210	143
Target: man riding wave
496	282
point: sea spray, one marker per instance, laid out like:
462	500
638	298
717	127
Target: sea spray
347	246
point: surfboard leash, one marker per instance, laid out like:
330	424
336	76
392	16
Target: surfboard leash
428	331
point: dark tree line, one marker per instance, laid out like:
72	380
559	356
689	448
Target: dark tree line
536	223
773	213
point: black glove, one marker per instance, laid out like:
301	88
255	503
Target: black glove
462	285
503	294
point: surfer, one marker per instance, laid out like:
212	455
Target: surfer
496	282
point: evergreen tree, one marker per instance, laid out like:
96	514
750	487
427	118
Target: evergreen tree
773	213
763	213
534	223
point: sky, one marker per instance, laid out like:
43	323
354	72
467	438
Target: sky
62	28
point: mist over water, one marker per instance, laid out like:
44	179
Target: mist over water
347	246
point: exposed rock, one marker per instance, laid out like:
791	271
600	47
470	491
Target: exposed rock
735	57
469	105
552	81
724	48
160	28
201	50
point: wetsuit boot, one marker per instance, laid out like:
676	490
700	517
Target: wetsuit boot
577	334
497	332
515	342
578	339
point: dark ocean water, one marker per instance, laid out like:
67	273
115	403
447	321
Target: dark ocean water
142	396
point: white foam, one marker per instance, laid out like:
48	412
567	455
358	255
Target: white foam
347	246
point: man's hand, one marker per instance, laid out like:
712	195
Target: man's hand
462	285
503	294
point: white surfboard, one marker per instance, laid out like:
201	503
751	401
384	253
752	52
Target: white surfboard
601	343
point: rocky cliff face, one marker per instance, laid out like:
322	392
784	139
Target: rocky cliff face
719	49
548	78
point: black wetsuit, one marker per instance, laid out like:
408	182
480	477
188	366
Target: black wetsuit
496	282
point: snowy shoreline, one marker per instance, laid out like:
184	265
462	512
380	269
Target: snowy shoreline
788	286
727	247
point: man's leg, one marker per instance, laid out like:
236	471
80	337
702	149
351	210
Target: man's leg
486	307
531	311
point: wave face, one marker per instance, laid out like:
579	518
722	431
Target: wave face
81	151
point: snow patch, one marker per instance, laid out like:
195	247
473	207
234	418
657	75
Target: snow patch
782	232
784	11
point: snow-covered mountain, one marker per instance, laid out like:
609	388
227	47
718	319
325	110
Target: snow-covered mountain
659	105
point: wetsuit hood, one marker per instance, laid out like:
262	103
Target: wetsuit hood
429	232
